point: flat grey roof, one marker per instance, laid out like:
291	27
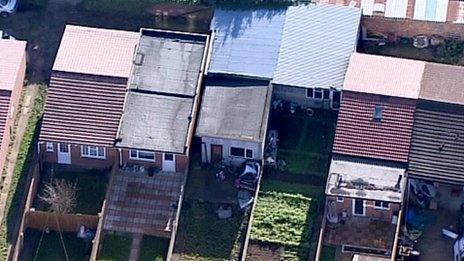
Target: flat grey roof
234	109
317	42
155	122
168	62
246	42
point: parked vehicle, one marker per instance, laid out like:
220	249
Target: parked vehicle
250	175
8	6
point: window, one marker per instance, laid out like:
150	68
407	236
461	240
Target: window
309	93
340	199
378	113
318	94
326	94
381	205
49	146
241	152
93	152
142	155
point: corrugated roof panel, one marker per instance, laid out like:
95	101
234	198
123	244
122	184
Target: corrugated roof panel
246	42
396	8
316	47
12	54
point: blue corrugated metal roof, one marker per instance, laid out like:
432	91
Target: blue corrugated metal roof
316	45
246	42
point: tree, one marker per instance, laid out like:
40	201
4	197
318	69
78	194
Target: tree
60	195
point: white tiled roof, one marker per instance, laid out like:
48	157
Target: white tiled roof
11	55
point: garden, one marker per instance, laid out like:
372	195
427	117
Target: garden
115	247
284	217
153	249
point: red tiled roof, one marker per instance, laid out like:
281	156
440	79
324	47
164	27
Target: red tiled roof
83	109
5	97
358	134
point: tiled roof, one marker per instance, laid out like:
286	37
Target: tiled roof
96	51
5	99
357	133
317	42
437	147
83	109
12	54
384	75
443	83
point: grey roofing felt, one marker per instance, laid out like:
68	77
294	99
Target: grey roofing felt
155	122
234	111
316	45
246	42
168	64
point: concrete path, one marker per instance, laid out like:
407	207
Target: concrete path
22	117
135	248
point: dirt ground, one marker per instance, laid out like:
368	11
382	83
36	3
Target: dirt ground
257	251
42	29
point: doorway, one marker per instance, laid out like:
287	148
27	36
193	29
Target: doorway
64	153
358	207
169	162
216	153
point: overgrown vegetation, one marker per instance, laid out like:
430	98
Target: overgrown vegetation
153	249
451	51
284	219
328	253
203	236
115	247
90	184
18	182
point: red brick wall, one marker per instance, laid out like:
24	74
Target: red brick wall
410	28
181	163
370	211
77	159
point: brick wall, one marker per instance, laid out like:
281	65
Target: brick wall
410	28
370	211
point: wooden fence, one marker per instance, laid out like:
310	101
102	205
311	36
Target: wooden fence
59	222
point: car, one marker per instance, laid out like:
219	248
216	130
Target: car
250	175
8	6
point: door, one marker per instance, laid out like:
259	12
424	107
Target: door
64	153
336	100
169	162
216	153
358	207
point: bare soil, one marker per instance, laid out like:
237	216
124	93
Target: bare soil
261	251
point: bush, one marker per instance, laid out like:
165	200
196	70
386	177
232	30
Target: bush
451	51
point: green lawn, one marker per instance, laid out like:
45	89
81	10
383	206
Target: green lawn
50	246
153	248
115	247
25	156
91	188
305	143
203	236
284	216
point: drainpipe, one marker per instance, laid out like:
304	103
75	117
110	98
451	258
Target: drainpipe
38	147
120	157
203	144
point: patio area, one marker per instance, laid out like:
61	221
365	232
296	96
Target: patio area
138	203
361	232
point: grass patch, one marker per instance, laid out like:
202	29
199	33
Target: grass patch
305	143
115	247
153	248
315	192
50	246
203	236
91	187
286	220
18	182
328	253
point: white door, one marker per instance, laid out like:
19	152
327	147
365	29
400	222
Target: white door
169	162
64	153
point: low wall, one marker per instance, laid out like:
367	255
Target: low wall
409	28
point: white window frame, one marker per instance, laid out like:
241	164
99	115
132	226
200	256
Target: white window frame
381	205
340	199
245	150
85	152
49	147
354	207
318	90
138	155
308	96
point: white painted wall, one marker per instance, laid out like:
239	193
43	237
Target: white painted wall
226	144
